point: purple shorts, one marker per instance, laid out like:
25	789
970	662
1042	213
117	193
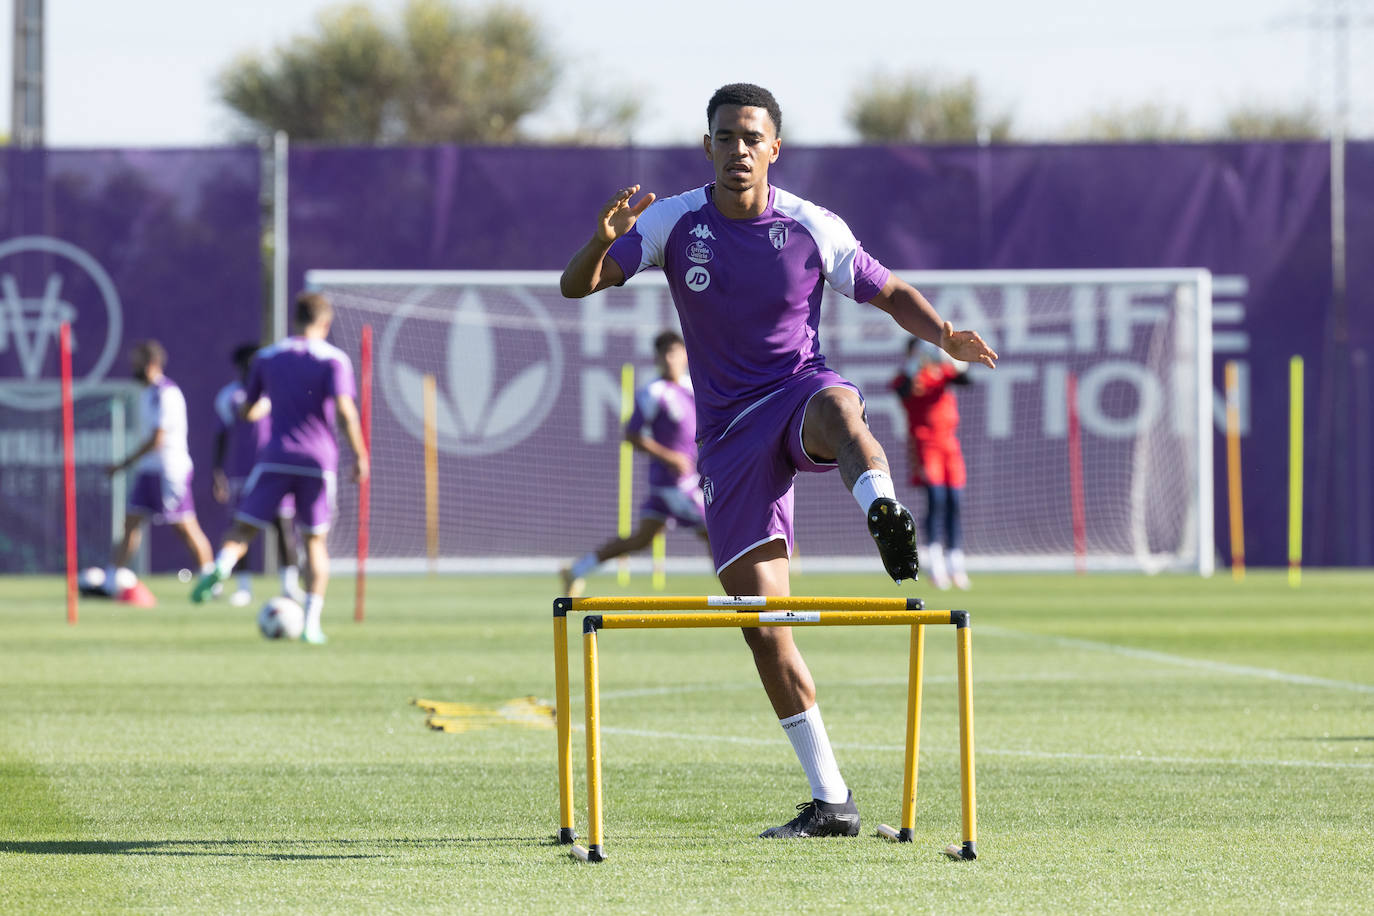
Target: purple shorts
269	485
164	497
287	509
676	506
747	470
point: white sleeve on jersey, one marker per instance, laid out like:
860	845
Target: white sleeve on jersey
656	224
837	244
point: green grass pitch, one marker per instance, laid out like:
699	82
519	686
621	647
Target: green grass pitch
1144	744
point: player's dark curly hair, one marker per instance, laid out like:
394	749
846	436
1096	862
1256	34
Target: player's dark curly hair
745	94
665	342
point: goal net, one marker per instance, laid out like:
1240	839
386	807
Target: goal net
524	394
32	535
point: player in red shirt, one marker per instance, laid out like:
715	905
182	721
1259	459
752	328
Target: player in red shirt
937	462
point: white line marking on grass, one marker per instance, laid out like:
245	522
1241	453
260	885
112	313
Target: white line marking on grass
999	752
1204	664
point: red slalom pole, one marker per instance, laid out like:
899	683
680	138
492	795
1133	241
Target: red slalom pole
64	346
1080	522
365	486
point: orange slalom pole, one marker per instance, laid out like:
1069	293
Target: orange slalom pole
364	486
64	339
1233	470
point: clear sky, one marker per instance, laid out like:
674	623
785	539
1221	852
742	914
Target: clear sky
140	72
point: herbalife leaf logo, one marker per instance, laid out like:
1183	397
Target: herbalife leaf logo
495	357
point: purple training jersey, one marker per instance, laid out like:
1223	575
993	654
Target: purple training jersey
244	437
748	291
302	377
667	411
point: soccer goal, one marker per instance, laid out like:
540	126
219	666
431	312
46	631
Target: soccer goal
496	420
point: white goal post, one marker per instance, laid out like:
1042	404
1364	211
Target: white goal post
524	394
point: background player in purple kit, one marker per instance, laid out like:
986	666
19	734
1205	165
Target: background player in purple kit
161	489
307	381
746	263
237	441
667	407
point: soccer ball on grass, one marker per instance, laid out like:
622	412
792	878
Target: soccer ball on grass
281	618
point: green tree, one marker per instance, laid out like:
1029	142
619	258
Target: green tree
1146	122
439	74
1256	122
918	108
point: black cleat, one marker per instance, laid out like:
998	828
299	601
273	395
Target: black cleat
894	531
818	818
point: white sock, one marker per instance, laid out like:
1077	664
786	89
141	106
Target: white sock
956	560
314	605
806	731
109	585
585	565
873	485
225	562
290	579
245	583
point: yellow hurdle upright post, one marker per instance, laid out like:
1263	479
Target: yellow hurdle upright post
563	725
593	851
625	519
964	642
660	562
913	740
1295	450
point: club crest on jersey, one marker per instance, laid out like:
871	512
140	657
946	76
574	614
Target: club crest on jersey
702	231
700	252
777	234
697	279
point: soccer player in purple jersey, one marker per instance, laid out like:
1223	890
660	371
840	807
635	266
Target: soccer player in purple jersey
746	263
161	489
665	409
305	382
237	441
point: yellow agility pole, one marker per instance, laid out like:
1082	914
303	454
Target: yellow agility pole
431	408
593	851
913	740
1295	450
660	562
725	612
625	519
1233	470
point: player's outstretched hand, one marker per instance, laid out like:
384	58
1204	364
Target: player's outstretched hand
967	346
618	216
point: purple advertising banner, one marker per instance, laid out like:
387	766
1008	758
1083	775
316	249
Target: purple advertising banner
125	245
1256	214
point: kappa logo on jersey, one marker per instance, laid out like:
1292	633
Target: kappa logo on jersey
700	252
777	234
708	490
492	376
697	279
702	231
44	282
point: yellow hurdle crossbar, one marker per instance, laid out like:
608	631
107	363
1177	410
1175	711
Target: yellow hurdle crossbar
626	613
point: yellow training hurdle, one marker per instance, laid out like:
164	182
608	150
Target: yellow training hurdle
625	613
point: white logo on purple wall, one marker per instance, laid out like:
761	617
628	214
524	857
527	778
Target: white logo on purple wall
497	364
777	234
44	282
697	279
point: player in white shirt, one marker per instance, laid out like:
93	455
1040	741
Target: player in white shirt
161	489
